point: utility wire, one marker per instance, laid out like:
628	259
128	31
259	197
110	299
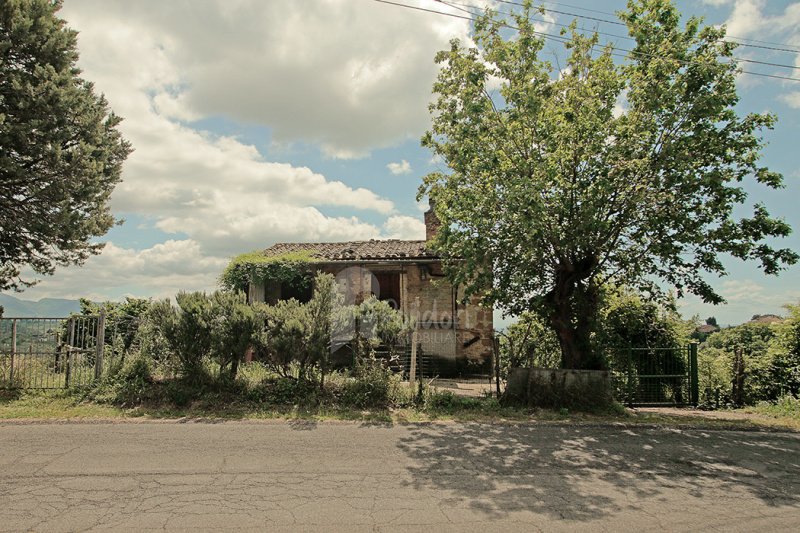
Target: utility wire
776	46
581	8
563	39
742	59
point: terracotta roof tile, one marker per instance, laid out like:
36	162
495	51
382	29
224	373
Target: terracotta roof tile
384	250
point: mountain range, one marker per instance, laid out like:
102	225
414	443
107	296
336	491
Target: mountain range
46	307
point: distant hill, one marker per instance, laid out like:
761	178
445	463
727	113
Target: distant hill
46	307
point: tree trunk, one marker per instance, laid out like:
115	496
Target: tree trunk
572	304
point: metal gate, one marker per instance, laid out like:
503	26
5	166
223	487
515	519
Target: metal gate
658	377
54	353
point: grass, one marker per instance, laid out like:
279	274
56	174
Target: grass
785	411
439	407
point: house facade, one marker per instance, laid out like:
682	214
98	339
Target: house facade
409	276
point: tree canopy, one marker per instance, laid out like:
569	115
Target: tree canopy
60	151
564	178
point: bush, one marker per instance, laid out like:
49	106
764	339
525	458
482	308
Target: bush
284	391
785	406
130	385
297	336
234	326
762	380
187	330
378	324
371	387
449	402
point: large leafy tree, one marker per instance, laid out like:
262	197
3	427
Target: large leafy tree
60	150
563	179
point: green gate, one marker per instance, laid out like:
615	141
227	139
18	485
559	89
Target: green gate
658	377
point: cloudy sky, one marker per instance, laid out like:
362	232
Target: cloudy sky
258	121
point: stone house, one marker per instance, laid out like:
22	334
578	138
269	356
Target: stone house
408	275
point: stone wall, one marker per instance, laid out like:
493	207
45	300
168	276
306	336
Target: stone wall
554	388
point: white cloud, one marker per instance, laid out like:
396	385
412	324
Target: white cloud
159	271
403	167
792	99
748	20
217	190
348	76
743	291
404	227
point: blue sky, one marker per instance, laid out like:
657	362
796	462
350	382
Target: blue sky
256	122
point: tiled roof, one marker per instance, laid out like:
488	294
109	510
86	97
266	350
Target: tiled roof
386	250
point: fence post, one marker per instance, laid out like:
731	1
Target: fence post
496	349
629	386
68	369
737	384
100	344
693	377
13	352
412	373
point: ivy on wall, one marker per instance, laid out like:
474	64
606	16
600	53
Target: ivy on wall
293	268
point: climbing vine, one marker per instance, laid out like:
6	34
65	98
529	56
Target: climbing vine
292	267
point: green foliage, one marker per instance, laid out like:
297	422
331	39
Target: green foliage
529	342
371	387
62	153
152	341
628	320
285	391
379	324
292	268
447	402
580	193
234	327
715	362
784	354
785	406
130	385
187	330
122	319
299	333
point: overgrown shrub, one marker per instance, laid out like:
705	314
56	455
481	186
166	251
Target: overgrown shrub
371	386
376	323
187	330
715	362
284	391
234	326
297	336
529	342
449	402
129	385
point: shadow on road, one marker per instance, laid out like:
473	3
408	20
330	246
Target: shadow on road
584	473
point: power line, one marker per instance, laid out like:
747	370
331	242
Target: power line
776	45
742	59
563	39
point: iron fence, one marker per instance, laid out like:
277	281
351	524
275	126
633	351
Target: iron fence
63	352
657	376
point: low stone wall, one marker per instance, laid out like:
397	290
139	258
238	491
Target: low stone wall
555	388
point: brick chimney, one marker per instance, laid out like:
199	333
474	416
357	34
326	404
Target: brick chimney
432	223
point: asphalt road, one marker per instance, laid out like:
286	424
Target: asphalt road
352	477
